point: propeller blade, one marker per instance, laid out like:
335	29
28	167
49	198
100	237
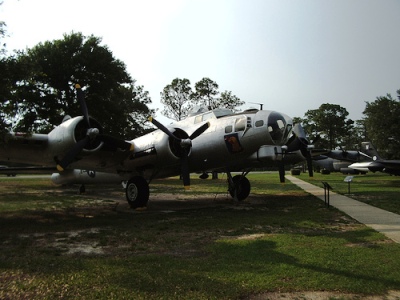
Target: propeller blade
71	154
199	131
185	171
282	172
92	134
293	144
299	131
162	128
185	144
302	143
81	97
298	140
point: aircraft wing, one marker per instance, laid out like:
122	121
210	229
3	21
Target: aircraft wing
27	170
42	152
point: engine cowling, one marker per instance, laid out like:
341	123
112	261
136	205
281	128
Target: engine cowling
67	134
175	145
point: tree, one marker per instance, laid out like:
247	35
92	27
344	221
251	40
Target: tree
4	82
179	99
227	100
356	134
330	122
382	124
3	33
44	92
206	90
176	98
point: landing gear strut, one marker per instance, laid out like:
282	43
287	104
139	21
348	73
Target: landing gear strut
238	186
137	192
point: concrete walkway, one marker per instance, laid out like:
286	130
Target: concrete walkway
381	220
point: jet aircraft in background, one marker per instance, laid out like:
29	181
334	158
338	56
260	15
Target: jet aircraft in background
376	164
340	160
217	140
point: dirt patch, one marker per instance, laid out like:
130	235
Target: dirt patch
392	295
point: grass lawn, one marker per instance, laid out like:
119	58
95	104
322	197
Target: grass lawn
198	244
377	189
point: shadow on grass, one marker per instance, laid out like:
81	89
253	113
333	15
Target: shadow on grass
201	247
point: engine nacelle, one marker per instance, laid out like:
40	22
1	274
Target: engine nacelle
268	153
67	134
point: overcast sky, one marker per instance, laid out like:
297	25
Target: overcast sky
290	55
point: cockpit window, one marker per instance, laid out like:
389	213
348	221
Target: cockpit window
259	123
228	129
240	124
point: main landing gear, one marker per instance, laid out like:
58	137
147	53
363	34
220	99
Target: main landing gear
238	186
137	192
137	189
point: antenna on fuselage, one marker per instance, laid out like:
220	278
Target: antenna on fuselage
261	104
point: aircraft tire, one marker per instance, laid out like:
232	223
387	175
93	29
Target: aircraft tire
241	187
137	192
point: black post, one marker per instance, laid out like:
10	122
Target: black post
328	196
327	187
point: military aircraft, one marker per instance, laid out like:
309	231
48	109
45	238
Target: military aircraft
376	164
215	140
340	160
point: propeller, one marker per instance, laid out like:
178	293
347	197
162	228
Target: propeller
300	142
81	97
282	172
185	144
305	148
92	134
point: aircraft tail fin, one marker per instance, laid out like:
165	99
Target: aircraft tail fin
369	149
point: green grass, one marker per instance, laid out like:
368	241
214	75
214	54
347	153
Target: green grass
377	189
200	246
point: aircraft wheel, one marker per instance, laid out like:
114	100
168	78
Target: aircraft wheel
241	187
137	192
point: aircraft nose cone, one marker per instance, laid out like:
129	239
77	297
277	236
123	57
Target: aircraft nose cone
278	127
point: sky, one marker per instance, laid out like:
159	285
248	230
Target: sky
290	55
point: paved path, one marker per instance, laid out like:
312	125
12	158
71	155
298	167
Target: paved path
381	220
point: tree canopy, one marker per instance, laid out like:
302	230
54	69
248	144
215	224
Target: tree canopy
179	98
37	91
4	78
382	122
176	98
330	123
43	87
206	90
